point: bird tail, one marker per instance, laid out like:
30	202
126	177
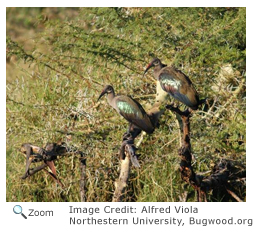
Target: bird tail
202	101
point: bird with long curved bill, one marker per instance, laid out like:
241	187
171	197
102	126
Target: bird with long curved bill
176	83
128	108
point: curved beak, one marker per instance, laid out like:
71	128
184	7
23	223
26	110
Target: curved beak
148	67
102	93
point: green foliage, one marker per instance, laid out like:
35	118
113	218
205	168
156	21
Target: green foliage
58	61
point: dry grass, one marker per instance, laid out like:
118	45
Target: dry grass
75	57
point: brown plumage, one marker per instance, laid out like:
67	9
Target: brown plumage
176	83
128	108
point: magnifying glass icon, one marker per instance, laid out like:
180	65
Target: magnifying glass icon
18	210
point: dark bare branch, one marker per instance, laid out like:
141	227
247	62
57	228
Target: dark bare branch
224	171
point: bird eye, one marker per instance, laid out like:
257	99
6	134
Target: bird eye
156	63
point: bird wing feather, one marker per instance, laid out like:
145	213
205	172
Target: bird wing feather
179	86
133	112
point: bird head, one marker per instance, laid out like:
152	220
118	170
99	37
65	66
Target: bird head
107	89
155	62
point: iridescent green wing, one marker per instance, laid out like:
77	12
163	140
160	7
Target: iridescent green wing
179	86
133	112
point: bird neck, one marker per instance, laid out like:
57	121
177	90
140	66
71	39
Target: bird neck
110	97
157	69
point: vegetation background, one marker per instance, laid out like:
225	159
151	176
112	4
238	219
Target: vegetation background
59	59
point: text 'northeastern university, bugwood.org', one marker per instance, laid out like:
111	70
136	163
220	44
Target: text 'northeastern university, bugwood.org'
170	216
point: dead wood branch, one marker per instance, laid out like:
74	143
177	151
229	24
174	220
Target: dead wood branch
46	156
36	154
32	171
222	173
121	182
128	142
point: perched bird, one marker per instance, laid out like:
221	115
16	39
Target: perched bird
129	108
176	83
